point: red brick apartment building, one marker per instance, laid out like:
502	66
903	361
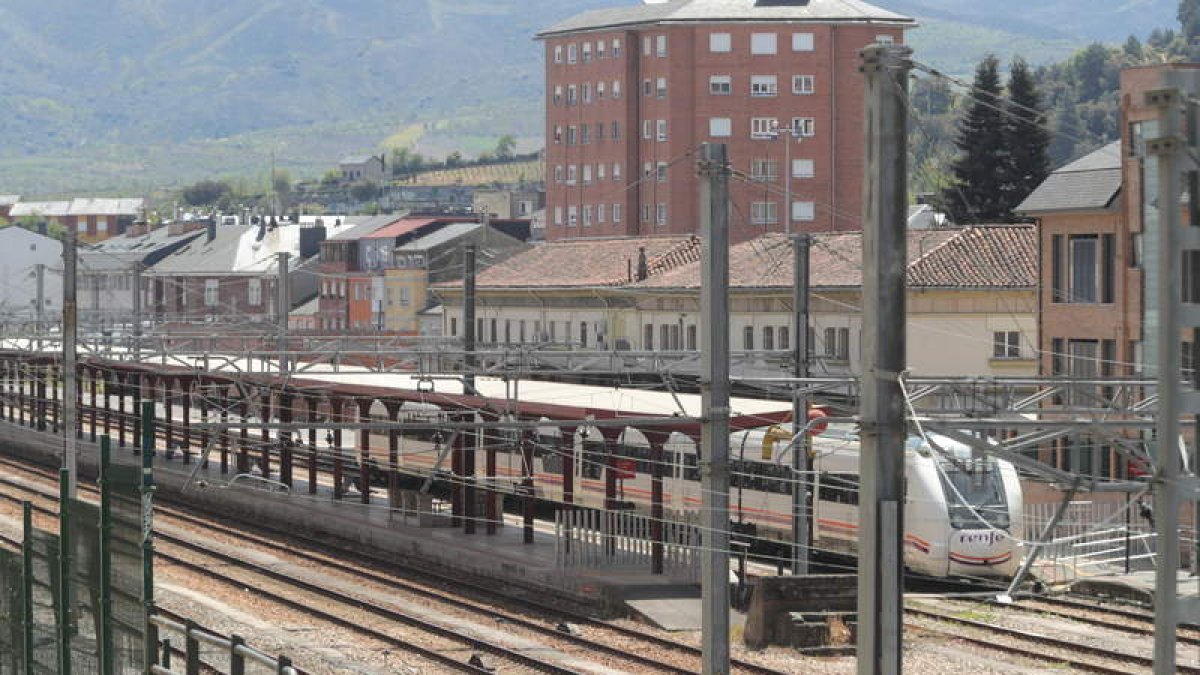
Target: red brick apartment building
631	92
1093	293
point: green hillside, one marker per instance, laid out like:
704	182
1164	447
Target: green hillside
136	94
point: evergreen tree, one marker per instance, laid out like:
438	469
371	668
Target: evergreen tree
975	196
1066	130
1189	19
1026	137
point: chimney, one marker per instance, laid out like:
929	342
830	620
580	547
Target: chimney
642	270
212	231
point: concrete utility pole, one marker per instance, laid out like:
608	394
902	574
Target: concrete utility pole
469	337
714	393
1167	149
69	333
283	306
801	463
881	491
40	310
137	311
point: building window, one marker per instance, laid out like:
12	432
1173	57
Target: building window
662	130
572	174
558	94
583	334
616	213
81	225
254	292
763	43
784	338
572	94
600	91
802	42
803	211
720	85
600	212
661	45
558	134
211	288
587	92
101	225
558	54
601	169
885	39
600	48
558	173
572	53
664	337
660	171
660	214
837	344
691	338
646	212
521	328
763	213
572	216
616	131
587	52
647	45
587	174
647	129
616	47
720	127
763	127
558	215
587	215
803	126
764	85
1083	268
585	134
405	299
803	168
1006	344
453	326
616	89
719	43
762	170
803	84
660	87
571	135
768	338
748	338
616	171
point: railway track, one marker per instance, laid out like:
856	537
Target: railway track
617	642
1029	644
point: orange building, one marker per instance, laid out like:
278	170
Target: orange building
631	93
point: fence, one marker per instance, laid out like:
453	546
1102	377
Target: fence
591	538
1093	538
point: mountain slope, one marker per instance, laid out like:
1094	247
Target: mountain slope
106	95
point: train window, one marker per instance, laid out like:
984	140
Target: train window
839	488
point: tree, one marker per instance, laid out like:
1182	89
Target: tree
454	160
975	196
205	192
1026	137
506	146
1092	73
364	191
1133	48
1063	141
1189	19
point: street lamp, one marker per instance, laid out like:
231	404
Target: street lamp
776	133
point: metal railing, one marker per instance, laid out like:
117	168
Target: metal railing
239	653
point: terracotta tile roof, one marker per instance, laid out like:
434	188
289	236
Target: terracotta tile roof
766	261
1003	256
589	262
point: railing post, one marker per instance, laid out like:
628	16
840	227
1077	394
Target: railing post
107	657
27	585
237	663
192	653
64	570
147	494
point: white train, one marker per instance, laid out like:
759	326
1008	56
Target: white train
961	517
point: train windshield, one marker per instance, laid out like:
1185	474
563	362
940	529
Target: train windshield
974	492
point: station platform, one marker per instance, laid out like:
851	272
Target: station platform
1135	587
502	560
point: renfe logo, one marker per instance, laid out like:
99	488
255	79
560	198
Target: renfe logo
980	537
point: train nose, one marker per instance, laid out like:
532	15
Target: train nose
981	552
